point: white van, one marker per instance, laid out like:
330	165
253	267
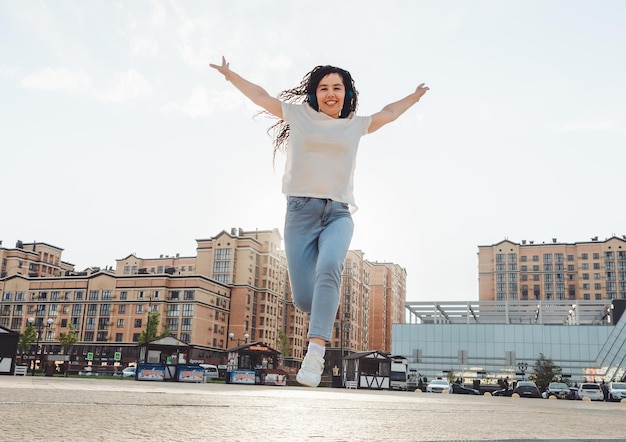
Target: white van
210	372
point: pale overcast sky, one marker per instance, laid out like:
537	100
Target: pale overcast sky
116	136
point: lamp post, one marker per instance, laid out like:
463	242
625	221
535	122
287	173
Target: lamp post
522	367
246	336
39	326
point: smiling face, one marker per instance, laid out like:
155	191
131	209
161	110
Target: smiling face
330	94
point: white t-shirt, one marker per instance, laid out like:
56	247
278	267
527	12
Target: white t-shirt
321	153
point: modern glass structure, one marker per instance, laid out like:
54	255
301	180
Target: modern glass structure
480	340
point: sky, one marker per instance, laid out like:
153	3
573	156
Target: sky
116	137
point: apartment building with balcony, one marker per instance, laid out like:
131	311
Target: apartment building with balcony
235	289
589	270
387	303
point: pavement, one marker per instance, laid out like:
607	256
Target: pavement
100	409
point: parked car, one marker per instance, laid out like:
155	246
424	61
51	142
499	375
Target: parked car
460	389
558	389
617	391
503	392
591	390
210	371
527	389
439	386
573	393
129	372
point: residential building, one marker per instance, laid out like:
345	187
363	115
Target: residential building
236	289
589	270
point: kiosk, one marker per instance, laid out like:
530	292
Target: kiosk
165	359
255	363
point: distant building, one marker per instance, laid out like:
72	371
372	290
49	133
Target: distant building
565	301
235	289
590	270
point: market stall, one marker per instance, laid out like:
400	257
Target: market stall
255	363
165	359
368	369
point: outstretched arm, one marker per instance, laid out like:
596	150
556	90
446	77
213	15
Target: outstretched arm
257	94
392	111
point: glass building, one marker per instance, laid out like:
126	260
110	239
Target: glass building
491	339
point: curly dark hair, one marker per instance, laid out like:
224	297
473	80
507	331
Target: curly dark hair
305	92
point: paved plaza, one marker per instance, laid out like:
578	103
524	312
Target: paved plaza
92	409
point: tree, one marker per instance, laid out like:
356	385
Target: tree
26	339
151	331
545	371
67	341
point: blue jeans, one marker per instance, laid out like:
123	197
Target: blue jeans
317	237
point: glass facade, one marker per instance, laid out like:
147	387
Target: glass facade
475	351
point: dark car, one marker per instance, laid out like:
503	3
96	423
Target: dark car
558	389
527	389
503	392
460	389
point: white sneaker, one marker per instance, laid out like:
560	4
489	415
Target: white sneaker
310	373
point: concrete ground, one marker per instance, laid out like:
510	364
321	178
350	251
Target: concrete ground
92	409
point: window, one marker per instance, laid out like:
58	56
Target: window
523	258
188	310
189	295
120	323
547	257
139	309
524	268
596	276
173	310
20	296
127	270
547	267
136	337
558	257
535	258
119	337
570	257
107	295
596	265
7	296
585	266
78	295
89	336
123	295
92	309
172	324
121	309
584	256
224	254
186	324
512	257
138	323
570	268
93	295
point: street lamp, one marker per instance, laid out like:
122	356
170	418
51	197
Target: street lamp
523	366
245	338
39	326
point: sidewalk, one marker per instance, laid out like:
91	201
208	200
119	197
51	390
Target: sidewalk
91	409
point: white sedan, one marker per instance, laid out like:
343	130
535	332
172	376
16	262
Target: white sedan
439	386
